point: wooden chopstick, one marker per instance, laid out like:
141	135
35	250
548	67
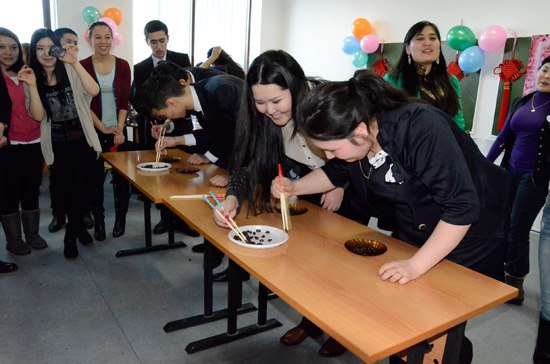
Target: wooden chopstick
284	205
235	230
193	197
227	216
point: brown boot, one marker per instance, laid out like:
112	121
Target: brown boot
298	334
12	229
31	222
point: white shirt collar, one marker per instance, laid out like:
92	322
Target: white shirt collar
196	103
156	60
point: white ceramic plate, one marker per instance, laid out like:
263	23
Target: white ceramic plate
265	233
154	167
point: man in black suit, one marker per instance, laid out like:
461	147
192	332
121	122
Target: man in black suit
156	37
215	101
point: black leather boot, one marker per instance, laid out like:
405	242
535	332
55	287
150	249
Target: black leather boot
97	211
71	251
542	349
99	227
121	192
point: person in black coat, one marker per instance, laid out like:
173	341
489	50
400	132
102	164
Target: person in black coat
215	101
157	38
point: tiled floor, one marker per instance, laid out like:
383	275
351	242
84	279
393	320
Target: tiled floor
102	309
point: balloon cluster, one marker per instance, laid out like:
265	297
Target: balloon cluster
111	16
361	43
461	38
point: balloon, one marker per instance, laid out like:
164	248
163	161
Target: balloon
360	28
471	59
359	59
350	45
370	43
117	39
114	14
87	36
111	23
492	38
460	37
90	14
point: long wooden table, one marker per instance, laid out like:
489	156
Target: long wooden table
158	186
340	291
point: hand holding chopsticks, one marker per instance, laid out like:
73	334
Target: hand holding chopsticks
161	140
229	221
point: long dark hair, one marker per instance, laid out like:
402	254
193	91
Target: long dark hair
448	102
41	78
229	65
16	67
332	110
259	144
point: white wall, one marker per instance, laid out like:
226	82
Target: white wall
69	14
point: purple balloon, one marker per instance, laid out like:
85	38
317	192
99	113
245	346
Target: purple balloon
370	43
111	23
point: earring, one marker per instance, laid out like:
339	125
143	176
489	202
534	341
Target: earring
409	58
437	60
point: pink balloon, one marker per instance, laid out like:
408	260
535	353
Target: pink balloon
117	39
370	43
111	23
492	39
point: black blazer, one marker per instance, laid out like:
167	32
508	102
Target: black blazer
203	73
143	70
220	98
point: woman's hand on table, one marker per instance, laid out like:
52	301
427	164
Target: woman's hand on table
197	158
332	200
230	206
285	185
401	271
219	180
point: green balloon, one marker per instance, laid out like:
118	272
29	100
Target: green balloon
359	59
460	38
91	14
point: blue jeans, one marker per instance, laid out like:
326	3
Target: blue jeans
544	261
527	199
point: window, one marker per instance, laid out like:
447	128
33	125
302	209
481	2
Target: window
217	23
23	27
174	13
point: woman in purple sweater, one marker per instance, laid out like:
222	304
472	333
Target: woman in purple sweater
525	141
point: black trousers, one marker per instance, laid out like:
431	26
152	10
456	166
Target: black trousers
71	171
23	176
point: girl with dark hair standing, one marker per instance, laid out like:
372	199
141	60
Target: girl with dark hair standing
525	142
60	95
23	163
268	136
449	200
422	71
109	110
